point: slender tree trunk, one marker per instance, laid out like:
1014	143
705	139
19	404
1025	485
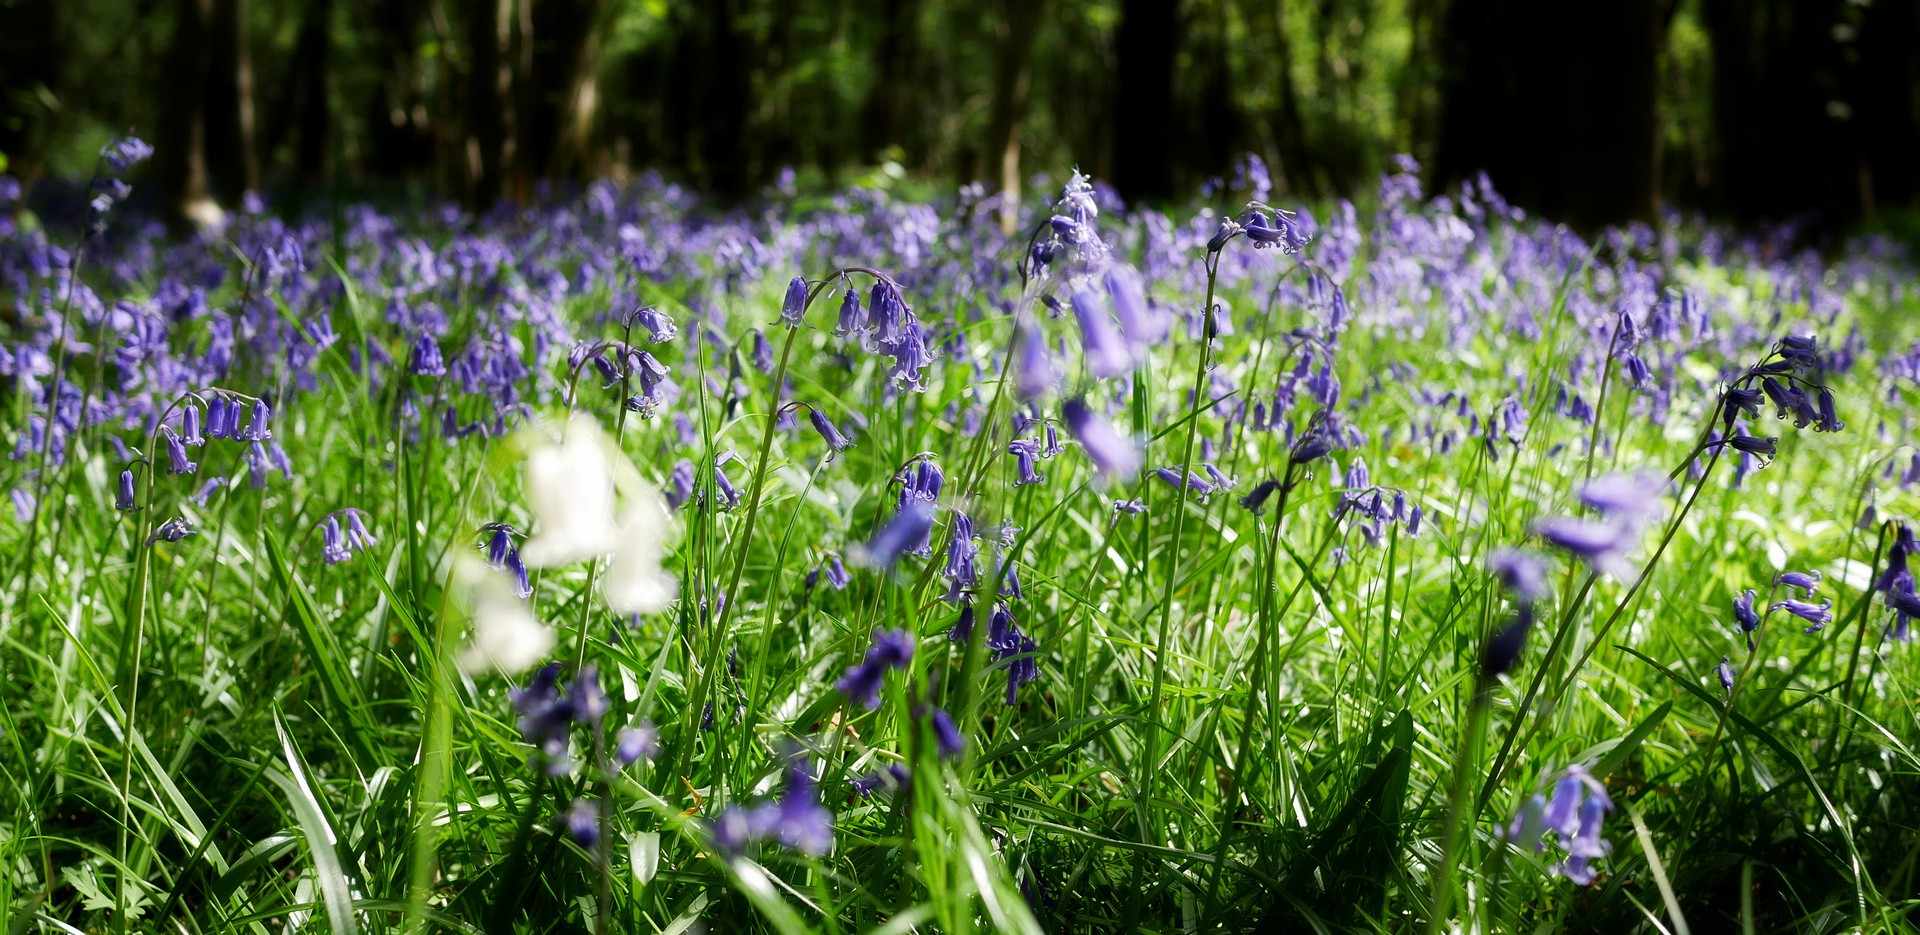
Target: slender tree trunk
485	103
888	101
1020	22
1556	102
180	146
1143	100
233	165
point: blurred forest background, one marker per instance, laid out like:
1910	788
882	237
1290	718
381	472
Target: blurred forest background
1588	111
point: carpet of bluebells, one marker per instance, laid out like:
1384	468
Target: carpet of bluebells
851	562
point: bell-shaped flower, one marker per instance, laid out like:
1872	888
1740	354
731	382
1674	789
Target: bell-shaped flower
570	492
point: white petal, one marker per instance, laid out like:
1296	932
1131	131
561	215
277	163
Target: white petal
570	492
635	583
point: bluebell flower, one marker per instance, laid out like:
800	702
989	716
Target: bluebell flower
1744	615
1522	573
1725	672
1106	353
837	576
679	487
258	428
829	433
909	528
961	552
660	327
172	530
1116	457
1503	648
123	498
797	820
1256	499
190	427
583	822
946	736
962	629
1572	817
853	319
545	716
177	462
1766	447
1816	614
725	496
426	360
333	546
125	153
893	777
636	743
794	306
1806	581
1025	452
216	424
891	649
1034	373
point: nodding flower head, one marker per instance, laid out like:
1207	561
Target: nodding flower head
829	432
1725	672
1571	817
426	361
338	545
1806	581
1818	615
794	306
123	497
177	461
1115	456
909	531
172	530
1522	573
892	649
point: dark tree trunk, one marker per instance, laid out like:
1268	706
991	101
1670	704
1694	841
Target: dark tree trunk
485	102
1297	166
887	121
1556	102
180	154
1012	74
708	95
30	58
399	133
233	166
1143	99
1781	152
560	93
1883	92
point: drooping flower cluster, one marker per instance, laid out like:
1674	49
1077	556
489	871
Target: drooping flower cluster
1896	585
1571	818
1625	502
336	546
795	819
891	649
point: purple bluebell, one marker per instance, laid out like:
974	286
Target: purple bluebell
796	820
853	319
636	743
1764	446
190	426
962	629
660	327
125	153
583	822
1522	573
829	433
891	649
837	577
1806	581
177	461
123	498
1828	421
891	778
172	530
258	427
1025	451
1116	457
1105	351
545	715
725	495
1744	615
1816	614
1725	672
794	307
679	487
1034	373
961	552
333	547
1256	499
502	556
906	532
426	360
1504	646
946	736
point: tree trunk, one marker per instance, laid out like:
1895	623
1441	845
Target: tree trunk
886	124
486	100
1557	103
233	165
180	153
1143	98
1020	22
1883	92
